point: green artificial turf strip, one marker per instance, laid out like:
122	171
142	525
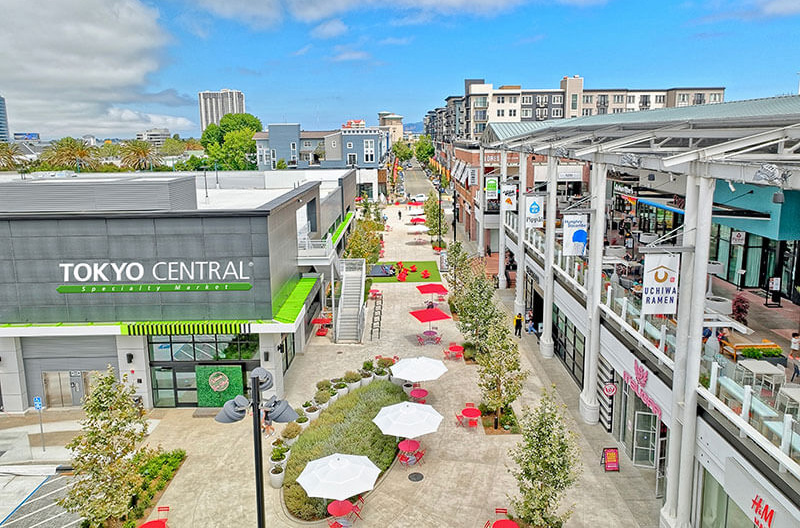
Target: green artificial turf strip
413	276
290	309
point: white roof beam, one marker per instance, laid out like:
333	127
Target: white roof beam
631	139
707	153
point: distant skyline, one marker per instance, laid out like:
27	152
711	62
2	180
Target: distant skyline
114	67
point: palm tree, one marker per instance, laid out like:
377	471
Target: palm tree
10	156
70	152
139	155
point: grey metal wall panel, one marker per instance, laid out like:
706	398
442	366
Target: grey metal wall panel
331	209
68	347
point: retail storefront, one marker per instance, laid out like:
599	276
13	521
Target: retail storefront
569	344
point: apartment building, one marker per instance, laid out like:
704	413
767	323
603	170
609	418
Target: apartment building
4	135
214	105
154	136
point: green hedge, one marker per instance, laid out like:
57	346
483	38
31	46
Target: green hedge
157	469
344	427
758	353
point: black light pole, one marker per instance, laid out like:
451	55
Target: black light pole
440	214
278	410
455	211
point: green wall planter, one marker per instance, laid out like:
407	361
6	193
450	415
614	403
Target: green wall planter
217	384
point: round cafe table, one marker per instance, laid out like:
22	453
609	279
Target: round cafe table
471	412
429	333
456	348
418	393
340	508
505	523
408	445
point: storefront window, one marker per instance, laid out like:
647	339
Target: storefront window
717	509
212	347
569	344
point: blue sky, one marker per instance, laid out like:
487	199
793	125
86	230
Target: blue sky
112	67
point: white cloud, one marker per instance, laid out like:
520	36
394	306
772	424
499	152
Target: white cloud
255	13
779	7
396	41
302	51
71	68
345	53
329	29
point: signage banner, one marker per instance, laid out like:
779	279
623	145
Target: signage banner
534	211
737	238
758	502
660	289
508	200
611	459
576	234
473	176
491	188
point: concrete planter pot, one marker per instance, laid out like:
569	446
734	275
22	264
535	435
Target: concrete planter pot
342	391
408	387
322	406
334	397
289	441
303	425
312	415
776	360
353	386
719	304
276	479
383	377
366	381
281	463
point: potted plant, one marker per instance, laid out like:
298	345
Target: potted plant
368	366
290	433
321	398
279	456
408	387
334	395
334	381
278	442
276	476
341	388
323	384
366	378
353	380
307	404
385	362
302	421
312	412
381	374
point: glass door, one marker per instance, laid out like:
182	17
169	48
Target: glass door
163	387
661	461
644	439
174	386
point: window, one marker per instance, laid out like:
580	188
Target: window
501	99
293	145
619	98
527	112
558	112
660	99
683	98
542	99
699	98
333	143
481	102
352	158
512	99
587	111
369	151
644	101
273	154
602	100
307	144
512	112
527	99
617	110
349	144
558	99
631	99
500	112
480	115
480	127
574	102
541	113
715	97
588	99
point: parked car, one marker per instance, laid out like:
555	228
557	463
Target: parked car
420	197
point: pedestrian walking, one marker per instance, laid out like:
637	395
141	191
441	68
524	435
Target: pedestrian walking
795	346
399	215
518	325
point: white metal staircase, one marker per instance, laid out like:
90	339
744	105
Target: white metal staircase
352	308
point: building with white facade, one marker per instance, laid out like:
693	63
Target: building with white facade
5	136
214	105
154	136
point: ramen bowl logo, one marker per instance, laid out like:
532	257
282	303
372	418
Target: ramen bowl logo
218	381
662	273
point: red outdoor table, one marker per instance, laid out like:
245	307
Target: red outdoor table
418	393
471	412
456	348
321	320
505	523
408	446
429	333
340	508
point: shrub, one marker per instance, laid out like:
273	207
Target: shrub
351	376
322	396
758	353
340	385
739	308
366	374
385	362
312	409
344	427
380	372
278	453
323	384
277	470
368	365
291	431
302	419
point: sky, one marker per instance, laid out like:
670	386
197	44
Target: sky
111	68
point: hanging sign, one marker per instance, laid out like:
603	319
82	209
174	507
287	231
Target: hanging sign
508	197
660	289
491	189
534	211
576	234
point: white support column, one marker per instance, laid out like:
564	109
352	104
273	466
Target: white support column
670	510
481	204
589	406
501	239
694	351
546	343
333	293
519	291
12	376
270	358
136	366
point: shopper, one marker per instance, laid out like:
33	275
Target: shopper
529	322
399	215
795	346
518	325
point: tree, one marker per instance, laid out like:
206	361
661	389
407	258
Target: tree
281	164
106	476
424	149
172	147
192	164
233	122
401	151
10	156
109	150
364	242
547	464
212	135
459	273
139	155
71	154
193	144
500	375
434	217
477	312
237	152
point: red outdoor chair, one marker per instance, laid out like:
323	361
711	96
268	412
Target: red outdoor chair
163	512
335	524
419	455
488	524
473	423
446	353
421	340
421	401
501	511
361	499
469	404
357	511
403	459
459	420
437	340
459	355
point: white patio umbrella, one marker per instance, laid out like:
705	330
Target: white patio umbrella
416	212
418	369
408	420
418	229
338	476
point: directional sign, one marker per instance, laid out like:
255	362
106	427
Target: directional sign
37	403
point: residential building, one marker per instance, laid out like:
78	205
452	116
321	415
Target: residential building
184	277
214	105
154	136
5	136
393	123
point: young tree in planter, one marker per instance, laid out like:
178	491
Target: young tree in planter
106	476
459	273
364	242
432	216
500	374
477	312
547	464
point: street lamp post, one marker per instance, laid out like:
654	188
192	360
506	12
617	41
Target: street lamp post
439	223
455	211
278	410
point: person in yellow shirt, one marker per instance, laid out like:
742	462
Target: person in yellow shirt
518	325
